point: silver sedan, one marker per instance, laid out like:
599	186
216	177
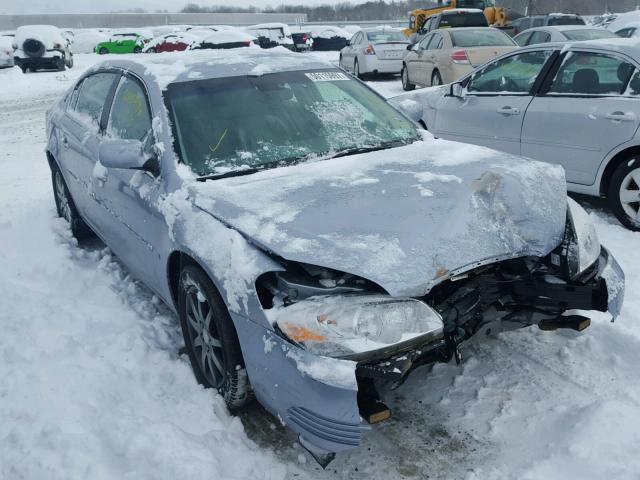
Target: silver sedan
375	50
562	33
445	55
577	105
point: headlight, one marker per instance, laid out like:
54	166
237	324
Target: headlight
357	326
584	247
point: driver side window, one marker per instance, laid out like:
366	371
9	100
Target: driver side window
514	74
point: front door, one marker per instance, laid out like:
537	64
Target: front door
590	109
129	198
491	111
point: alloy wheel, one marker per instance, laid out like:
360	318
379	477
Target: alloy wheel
204	336
630	194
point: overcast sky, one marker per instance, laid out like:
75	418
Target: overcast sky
97	6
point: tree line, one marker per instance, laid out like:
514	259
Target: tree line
396	10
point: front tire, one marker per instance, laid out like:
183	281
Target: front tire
137	50
66	207
103	51
407	86
624	193
210	338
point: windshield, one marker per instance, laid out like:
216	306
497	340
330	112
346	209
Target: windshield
383	36
239	123
588	34
463	19
480	38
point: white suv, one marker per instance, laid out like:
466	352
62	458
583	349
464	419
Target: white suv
41	46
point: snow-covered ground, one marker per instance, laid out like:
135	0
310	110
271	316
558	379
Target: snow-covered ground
93	385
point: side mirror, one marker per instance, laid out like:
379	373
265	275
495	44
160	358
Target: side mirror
125	154
348	44
456	90
410	47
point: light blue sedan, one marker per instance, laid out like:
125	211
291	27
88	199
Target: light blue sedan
314	243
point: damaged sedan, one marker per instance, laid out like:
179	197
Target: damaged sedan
316	244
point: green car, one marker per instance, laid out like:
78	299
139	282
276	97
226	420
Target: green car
121	43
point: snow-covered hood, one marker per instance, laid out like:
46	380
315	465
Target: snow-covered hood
405	218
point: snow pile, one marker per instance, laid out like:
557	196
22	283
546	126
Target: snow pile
91	381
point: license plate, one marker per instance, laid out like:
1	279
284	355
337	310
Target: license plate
394	54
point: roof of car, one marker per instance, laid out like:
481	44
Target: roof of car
564	28
200	65
627	46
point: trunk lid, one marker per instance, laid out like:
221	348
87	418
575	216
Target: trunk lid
479	55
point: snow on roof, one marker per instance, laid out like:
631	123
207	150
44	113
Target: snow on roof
203	64
48	34
623	20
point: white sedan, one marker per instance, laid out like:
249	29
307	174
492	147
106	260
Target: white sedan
374	50
6	52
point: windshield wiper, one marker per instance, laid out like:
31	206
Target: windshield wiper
231	173
357	150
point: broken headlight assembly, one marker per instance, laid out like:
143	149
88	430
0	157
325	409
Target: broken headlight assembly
334	314
583	245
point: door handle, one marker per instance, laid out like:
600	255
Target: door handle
65	141
507	110
622	116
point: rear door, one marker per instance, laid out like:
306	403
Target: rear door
414	60
491	110
430	58
587	111
82	128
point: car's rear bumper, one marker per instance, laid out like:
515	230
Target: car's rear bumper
372	64
38	62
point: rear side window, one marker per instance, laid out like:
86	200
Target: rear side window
436	42
586	73
585	34
130	118
522	39
539	37
626	32
92	95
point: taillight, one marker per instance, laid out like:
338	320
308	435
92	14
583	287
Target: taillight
305	37
247	43
459	56
369	50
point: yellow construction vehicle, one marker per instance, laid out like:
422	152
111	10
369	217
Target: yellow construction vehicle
496	16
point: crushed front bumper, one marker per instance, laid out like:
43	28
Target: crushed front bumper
318	397
611	272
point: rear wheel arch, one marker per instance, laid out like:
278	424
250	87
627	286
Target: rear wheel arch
613	164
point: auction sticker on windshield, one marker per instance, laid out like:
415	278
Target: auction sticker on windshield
326	76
